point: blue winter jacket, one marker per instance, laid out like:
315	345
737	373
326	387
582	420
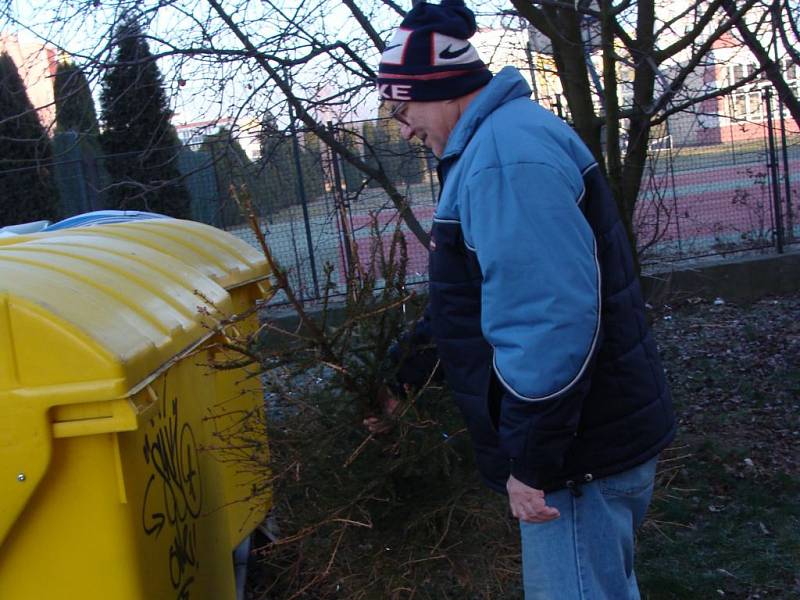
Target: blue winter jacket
535	306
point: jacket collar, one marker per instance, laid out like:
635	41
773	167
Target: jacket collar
507	85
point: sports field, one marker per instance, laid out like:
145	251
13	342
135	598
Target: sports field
691	204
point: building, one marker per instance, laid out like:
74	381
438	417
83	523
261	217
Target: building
245	132
521	46
192	134
742	114
36	63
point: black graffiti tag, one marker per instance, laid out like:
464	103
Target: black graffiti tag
173	495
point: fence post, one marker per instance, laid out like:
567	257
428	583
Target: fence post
91	170
789	230
342	208
773	167
219	217
671	163
429	162
301	190
786	181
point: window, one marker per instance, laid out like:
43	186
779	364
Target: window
789	70
740	106
755	106
748	106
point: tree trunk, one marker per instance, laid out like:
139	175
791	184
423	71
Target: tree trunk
612	117
639	125
570	59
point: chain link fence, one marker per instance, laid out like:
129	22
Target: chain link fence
731	194
705	192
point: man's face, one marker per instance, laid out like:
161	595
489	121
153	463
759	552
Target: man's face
430	122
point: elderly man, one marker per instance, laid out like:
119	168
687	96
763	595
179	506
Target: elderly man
535	310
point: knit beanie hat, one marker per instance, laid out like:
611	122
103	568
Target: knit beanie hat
429	57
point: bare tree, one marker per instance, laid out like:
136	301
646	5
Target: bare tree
664	50
271	61
624	66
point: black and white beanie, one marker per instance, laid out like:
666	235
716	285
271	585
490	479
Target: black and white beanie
430	58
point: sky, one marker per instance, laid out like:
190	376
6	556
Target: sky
192	84
84	30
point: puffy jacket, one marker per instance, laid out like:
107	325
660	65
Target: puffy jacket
535	307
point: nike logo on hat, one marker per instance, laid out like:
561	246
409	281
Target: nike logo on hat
448	54
387	48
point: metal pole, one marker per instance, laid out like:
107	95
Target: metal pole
732	116
93	183
301	191
219	217
787	185
431	170
773	167
529	57
671	160
86	205
341	209
558	106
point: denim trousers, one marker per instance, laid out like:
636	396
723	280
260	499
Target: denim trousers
587	553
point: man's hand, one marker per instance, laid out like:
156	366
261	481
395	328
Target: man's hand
528	504
388	403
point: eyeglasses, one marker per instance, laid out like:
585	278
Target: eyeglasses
397	112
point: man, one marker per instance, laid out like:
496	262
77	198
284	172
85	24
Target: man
535	310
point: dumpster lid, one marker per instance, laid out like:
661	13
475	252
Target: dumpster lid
113	304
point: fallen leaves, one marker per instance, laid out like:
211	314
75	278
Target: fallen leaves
735	372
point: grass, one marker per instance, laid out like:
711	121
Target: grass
737	536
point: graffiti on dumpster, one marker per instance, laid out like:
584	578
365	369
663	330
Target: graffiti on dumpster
173	495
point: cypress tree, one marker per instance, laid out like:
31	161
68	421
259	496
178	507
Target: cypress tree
27	192
234	168
74	104
140	142
311	163
353	178
278	170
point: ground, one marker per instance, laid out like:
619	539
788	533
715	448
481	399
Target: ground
409	519
729	524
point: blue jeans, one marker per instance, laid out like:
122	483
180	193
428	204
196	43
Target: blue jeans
587	553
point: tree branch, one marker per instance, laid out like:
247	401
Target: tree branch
781	27
400	202
365	24
769	66
534	16
724	91
691	36
699	55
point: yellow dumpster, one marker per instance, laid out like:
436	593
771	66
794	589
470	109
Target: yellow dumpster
129	468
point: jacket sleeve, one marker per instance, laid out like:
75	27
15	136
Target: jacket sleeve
540	305
413	358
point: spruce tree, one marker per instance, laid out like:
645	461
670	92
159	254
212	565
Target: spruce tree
140	143
27	192
74	104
